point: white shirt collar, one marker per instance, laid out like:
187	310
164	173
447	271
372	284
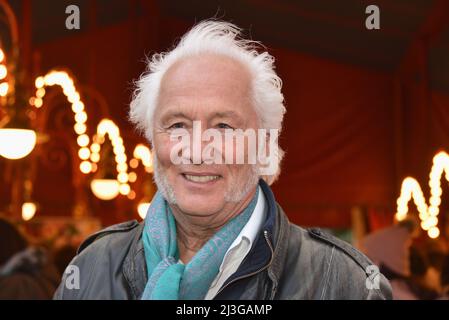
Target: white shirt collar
253	226
241	246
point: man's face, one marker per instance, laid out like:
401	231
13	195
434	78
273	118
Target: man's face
214	90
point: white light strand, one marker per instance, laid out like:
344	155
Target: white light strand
63	80
4	85
143	153
428	214
88	153
108	127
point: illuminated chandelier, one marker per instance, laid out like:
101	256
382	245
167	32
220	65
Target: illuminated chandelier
17	139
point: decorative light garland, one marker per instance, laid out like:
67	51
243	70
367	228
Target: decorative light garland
4	86
63	80
108	127
142	153
89	154
411	188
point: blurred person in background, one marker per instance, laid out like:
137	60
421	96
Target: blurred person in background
25	271
63	256
413	266
445	277
389	248
424	282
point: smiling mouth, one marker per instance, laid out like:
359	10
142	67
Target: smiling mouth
201	178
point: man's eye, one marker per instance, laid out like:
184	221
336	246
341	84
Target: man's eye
224	126
177	125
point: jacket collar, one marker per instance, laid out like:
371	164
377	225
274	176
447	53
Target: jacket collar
134	267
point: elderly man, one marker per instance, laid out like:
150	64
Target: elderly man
214	229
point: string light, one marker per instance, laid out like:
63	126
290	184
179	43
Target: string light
4	86
95	147
80	128
122	177
77	106
28	210
411	188
90	156
95	157
3	71
143	154
131	195
434	232
132	177
122	167
86	167
84	153
38	102
108	127
133	163
40	92
124	189
83	141
66	83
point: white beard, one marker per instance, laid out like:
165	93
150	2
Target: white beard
162	183
233	194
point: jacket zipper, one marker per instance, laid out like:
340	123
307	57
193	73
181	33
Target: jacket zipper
265	233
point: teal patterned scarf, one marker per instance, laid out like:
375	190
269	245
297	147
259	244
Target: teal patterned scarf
169	279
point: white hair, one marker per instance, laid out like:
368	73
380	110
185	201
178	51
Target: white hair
223	38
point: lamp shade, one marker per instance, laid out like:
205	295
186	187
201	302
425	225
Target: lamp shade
142	209
105	189
16	143
28	210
